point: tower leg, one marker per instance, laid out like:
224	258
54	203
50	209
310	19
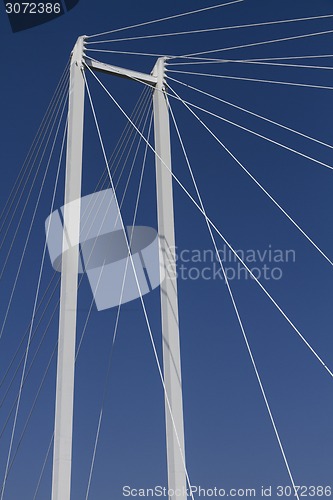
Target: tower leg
62	454
169	300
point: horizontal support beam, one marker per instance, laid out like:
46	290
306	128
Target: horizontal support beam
122	72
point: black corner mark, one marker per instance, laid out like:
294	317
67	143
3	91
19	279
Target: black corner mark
24	15
71	3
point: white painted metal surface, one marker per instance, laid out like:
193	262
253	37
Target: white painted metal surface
62	455
169	298
62	458
122	72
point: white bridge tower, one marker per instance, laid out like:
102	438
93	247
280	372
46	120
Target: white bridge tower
62	455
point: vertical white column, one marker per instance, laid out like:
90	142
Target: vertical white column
62	454
169	299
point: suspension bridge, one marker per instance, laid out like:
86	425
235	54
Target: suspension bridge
180	132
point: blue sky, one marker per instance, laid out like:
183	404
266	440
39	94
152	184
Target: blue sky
230	442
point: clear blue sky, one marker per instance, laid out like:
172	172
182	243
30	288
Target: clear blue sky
230	442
